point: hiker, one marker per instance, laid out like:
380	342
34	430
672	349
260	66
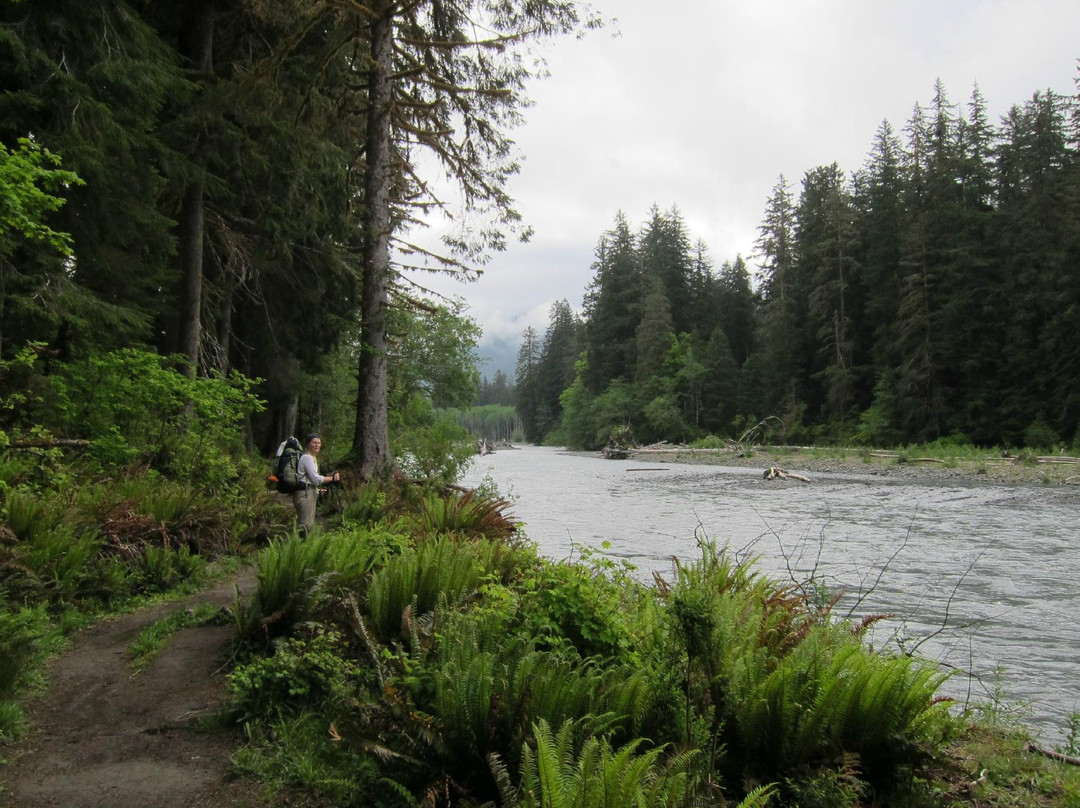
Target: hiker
307	492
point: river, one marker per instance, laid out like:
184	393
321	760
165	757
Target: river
983	577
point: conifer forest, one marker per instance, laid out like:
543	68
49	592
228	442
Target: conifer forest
931	293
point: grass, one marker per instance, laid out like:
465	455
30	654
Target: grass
153	639
993	768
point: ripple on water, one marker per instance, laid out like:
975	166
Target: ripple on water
996	566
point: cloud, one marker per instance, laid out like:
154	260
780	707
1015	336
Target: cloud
704	103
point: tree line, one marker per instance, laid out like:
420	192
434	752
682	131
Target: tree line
933	293
242	179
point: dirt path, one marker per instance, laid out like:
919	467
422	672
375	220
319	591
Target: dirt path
104	738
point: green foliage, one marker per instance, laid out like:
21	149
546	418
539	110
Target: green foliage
132	406
828	694
413	583
584	604
557	775
296	752
296	576
303	673
21	388
366	505
469	512
1041	436
161	568
429	445
51	558
29	175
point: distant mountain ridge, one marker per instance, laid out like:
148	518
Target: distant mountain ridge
498	353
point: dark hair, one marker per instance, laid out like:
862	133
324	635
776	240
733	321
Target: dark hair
310	438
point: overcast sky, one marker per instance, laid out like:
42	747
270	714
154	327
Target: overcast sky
704	103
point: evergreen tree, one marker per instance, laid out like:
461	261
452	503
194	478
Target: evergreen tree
562	347
653	337
881	217
920	382
527	383
613	308
781	331
89	81
1038	222
496	391
825	244
664	251
446	79
720	387
736	308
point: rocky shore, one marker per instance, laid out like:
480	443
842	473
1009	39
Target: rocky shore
797	460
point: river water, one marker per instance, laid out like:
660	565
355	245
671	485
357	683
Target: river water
983	577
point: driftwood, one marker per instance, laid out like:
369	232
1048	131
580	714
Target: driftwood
614	451
1058	756
49	443
775	473
484	448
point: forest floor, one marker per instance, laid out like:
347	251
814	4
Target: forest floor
1007	470
102	736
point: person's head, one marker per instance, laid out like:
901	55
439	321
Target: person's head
313	442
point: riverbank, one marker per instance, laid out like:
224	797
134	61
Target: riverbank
902	465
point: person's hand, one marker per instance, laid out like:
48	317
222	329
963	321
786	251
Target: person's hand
337	476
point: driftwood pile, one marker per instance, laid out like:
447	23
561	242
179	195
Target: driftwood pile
777	473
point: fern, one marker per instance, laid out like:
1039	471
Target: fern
555	776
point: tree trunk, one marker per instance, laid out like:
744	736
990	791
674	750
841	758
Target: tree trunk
191	260
197	42
371	437
224	322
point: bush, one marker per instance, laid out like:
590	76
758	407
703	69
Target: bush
301	674
436	449
1040	436
133	406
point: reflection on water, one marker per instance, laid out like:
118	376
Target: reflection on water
982	577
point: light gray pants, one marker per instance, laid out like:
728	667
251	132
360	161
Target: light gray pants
304	501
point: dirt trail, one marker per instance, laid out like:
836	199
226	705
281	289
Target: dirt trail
102	737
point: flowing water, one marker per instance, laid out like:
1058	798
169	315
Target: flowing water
983	577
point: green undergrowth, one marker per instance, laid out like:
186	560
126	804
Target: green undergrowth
415	649
76	547
419	651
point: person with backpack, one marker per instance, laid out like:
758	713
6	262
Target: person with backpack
306	494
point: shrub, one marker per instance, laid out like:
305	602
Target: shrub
132	406
302	673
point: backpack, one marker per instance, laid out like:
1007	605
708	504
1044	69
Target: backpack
287	466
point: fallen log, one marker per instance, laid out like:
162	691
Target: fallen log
49	443
1072	761
774	473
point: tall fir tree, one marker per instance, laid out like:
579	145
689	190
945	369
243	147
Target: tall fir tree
613	308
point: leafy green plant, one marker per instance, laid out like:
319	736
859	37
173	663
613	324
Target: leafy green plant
412	583
829	695
432	446
597	776
469	512
297	752
134	405
302	673
583	604
297	577
161	568
26	639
